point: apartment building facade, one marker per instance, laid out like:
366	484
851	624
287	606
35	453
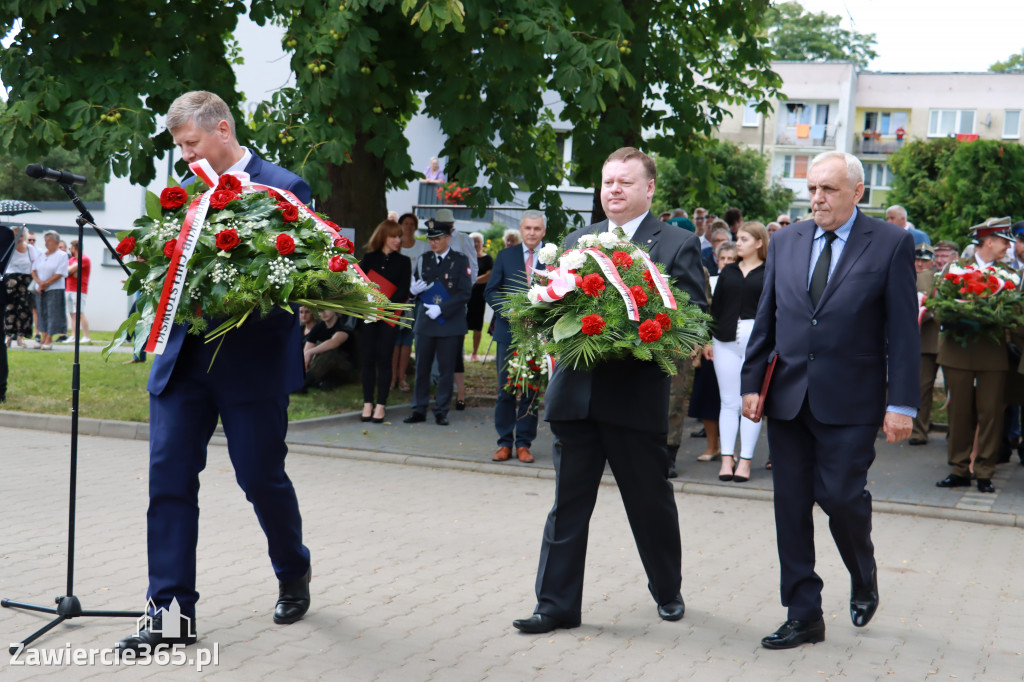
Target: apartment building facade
832	105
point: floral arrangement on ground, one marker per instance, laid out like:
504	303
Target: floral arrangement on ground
606	300
529	368
971	302
234	251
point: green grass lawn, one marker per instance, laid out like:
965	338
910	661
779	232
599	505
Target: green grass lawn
40	382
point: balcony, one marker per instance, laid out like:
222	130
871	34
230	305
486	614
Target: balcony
870	145
807	136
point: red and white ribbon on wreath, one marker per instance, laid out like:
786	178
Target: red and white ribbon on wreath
188	237
659	279
561	282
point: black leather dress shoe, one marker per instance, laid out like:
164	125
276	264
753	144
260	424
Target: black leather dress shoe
673	610
954	481
539	623
415	418
148	639
864	600
917	441
985	485
441	419
292	599
793	633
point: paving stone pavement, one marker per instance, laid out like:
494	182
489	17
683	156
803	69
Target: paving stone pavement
419	571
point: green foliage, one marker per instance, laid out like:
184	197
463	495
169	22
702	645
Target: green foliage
718	176
14	184
1012	64
797	35
947	186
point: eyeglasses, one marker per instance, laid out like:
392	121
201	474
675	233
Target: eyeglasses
784	223
31	241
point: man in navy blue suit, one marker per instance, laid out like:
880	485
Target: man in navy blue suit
516	424
247	388
839	309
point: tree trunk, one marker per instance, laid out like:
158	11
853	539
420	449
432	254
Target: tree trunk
357	196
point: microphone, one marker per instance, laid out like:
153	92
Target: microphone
38	171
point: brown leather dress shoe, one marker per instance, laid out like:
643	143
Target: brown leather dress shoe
502	454
523	453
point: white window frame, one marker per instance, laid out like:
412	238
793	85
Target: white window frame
1015	134
935	120
751	116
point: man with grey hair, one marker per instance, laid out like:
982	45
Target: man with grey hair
838	309
515	416
897	215
246	388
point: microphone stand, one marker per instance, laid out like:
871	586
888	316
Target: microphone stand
68	605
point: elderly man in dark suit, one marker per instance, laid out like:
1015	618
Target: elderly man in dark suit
617	413
247	388
513	269
839	310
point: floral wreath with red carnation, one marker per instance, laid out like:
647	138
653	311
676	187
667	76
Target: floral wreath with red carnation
972	302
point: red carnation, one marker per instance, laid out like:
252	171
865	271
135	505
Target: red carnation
649	280
230	183
593	324
664	320
221	198
228	239
289	212
169	247
173	197
639	294
650	331
1008	285
622	259
593	284
337	264
285	244
345	244
126	246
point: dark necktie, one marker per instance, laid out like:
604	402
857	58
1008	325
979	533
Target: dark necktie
820	276
439	259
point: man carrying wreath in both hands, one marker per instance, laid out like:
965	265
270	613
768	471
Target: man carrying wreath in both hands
247	388
617	413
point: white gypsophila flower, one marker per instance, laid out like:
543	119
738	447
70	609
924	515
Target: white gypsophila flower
572	260
280	270
548	253
588	241
223	273
608	240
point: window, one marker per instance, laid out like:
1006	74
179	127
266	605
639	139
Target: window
751	117
795	166
798	113
885	122
1011	124
949	122
877	176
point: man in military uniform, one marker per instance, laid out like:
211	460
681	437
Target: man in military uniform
924	256
976	379
440	320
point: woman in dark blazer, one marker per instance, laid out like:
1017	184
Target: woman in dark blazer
377	339
734	306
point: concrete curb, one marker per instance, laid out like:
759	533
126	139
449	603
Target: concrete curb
140	431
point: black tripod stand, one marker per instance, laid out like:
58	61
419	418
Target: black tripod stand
68	605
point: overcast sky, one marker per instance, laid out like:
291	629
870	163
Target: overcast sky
933	35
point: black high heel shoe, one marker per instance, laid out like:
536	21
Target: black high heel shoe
728	477
736	478
366	417
380	419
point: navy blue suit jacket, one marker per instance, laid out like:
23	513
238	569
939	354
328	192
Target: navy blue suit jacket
860	340
508	275
265	355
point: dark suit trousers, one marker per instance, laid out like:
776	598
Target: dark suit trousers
515	418
637	460
828	464
445	349
182	419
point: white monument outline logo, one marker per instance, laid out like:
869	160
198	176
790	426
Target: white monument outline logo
173	624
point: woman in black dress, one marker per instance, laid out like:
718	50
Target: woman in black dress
475	308
377	339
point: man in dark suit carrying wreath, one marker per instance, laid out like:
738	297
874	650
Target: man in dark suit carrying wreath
247	387
617	413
